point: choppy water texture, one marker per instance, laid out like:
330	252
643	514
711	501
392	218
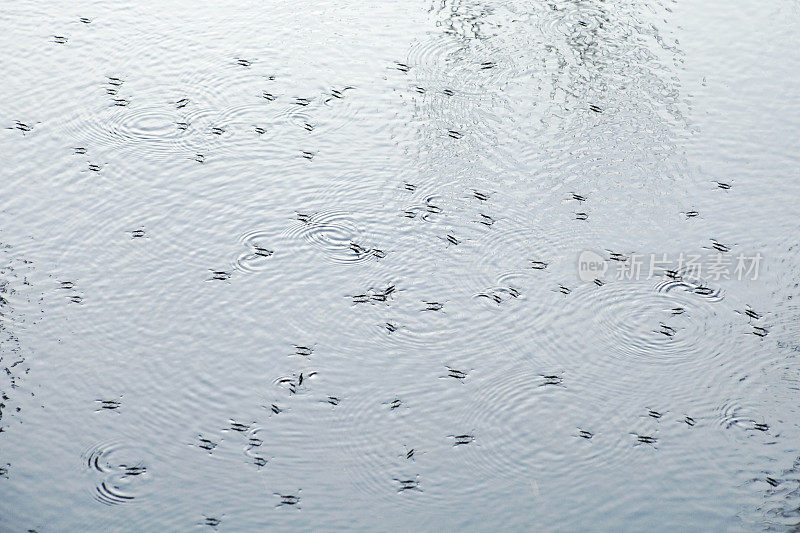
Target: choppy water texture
314	265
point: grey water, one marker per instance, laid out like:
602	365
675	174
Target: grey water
430	265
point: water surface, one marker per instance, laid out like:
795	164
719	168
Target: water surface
316	266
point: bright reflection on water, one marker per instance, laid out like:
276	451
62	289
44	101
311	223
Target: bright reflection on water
315	266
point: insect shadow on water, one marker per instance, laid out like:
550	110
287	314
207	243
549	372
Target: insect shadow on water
750	313
667	331
645	439
463	439
302	350
459	375
390	326
485	220
407	484
395	404
338	94
563	289
219	275
652	413
433	306
290	500
294	383
451	240
480	195
22	126
409	453
206	444
584	434
552	380
273	408
210	521
578	197
108	405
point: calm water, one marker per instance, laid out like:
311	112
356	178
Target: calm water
316	266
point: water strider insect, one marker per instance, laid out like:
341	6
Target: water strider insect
459	440
238	426
551	379
433	306
288	499
751	313
408	484
451	239
645	439
666	330
486	220
219	275
456	374
482	196
718	246
303	350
